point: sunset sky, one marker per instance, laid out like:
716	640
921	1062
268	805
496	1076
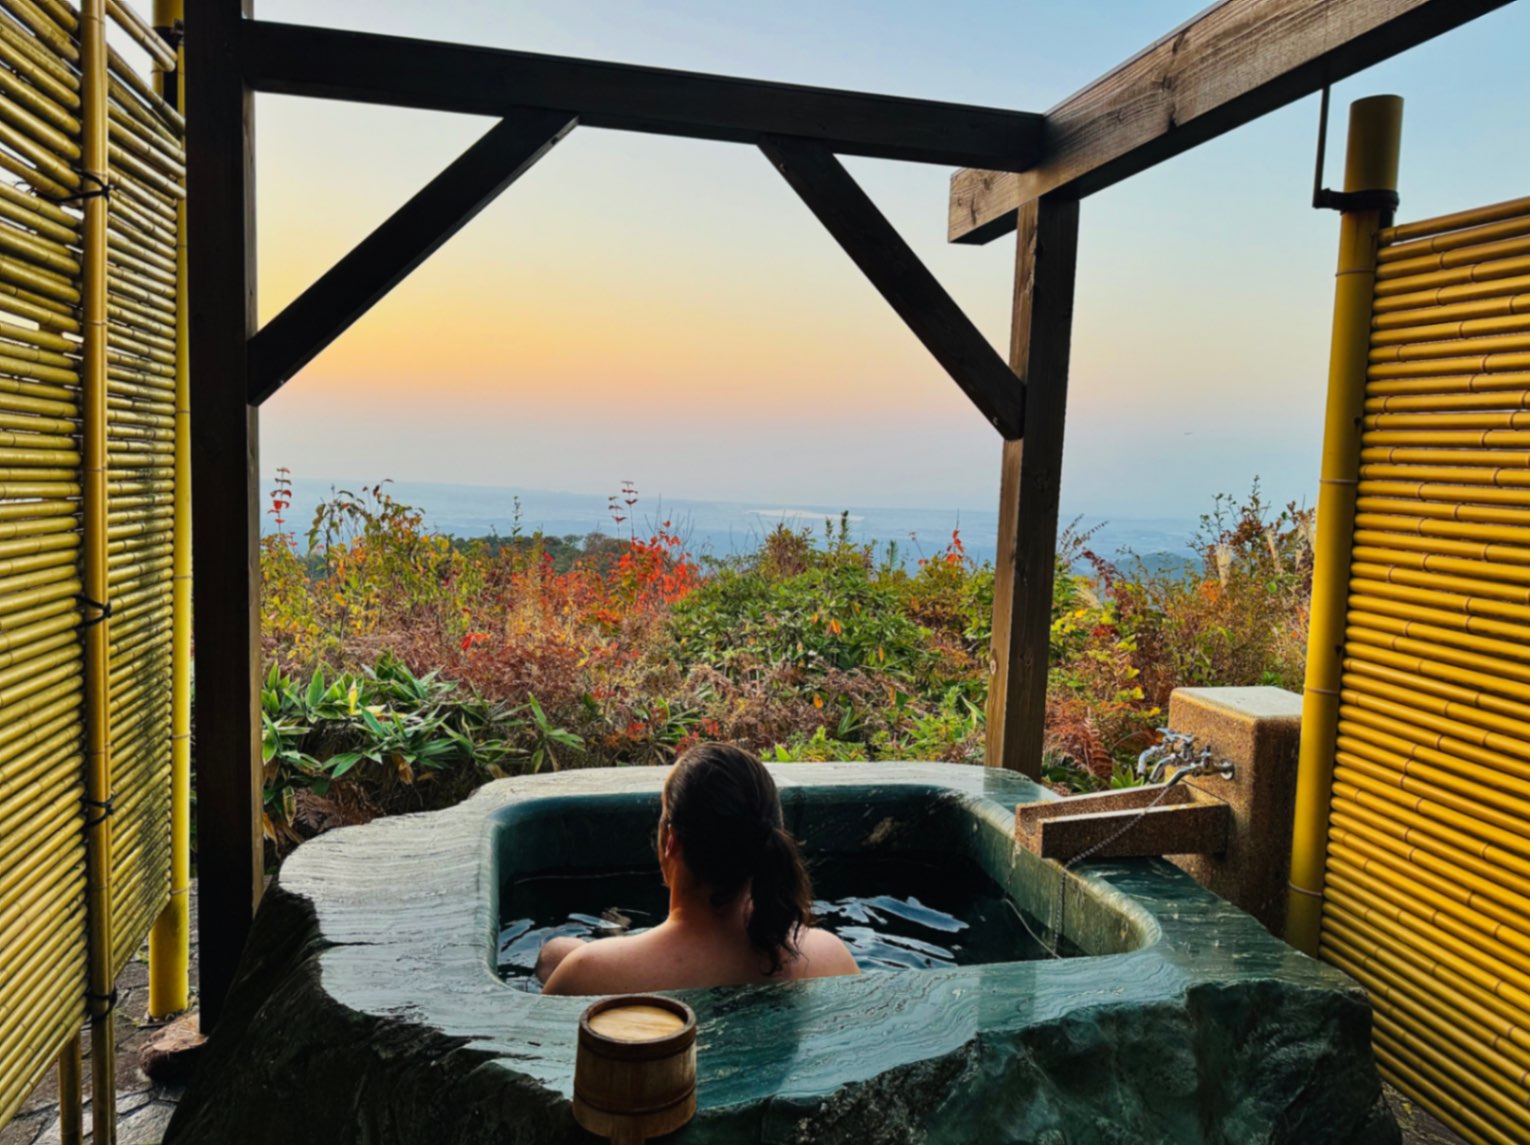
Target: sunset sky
668	311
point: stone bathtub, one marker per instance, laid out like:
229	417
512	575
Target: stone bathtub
369	1008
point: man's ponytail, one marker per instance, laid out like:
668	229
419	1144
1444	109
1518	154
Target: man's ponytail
722	805
783	898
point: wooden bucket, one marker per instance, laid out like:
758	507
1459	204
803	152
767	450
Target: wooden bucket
635	1072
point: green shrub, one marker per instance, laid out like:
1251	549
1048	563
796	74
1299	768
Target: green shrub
408	667
346	747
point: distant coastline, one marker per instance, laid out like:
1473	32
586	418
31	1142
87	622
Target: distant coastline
726	528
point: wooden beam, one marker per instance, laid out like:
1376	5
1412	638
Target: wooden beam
875	246
365	68
411	235
1229	65
1029	485
225	455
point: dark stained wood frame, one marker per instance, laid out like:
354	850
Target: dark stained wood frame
225	480
875	246
361	67
1029	483
412	234
1229	65
542	98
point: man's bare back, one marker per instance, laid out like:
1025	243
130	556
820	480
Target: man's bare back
739	895
672	957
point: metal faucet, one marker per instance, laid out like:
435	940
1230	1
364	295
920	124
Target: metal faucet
1178	749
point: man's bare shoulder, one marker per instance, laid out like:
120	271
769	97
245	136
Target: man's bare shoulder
594	968
824	954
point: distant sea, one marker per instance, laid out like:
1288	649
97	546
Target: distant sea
728	528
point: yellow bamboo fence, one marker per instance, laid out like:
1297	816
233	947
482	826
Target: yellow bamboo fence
1426	896
92	524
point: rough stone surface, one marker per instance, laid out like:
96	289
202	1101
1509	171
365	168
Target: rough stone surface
1259	730
171	1055
367	1008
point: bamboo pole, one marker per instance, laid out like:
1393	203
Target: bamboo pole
1432	833
1497	418
1375	127
1404	885
1460	1120
1456	221
1492	289
1494	693
169	940
1482	276
1404	927
71	1100
147	38
1439	400
1396	264
1473	364
28	58
1450	645
48	32
1483	500
146	96
98	744
37	103
1357	761
1507	227
1513	482
1410	602
1492	1102
1431	849
1371	635
1392	330
1497	307
1465	1029
48	1025
1486	712
1489	896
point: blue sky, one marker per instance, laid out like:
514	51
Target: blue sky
667	311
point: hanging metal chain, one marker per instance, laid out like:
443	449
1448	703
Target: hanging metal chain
1174	749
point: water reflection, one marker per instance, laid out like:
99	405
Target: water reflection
895	913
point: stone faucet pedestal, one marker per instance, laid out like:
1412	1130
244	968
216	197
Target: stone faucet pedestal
1259	731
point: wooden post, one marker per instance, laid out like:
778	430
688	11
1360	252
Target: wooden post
225	477
1028	490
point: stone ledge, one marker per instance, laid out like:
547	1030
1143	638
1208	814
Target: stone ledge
366	1010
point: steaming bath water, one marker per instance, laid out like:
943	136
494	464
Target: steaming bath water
893	912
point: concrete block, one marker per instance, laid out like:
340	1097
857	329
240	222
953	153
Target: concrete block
1119	824
1259	730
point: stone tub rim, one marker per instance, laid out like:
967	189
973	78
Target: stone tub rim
409	953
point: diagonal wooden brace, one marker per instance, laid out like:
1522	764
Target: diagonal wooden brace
875	246
412	234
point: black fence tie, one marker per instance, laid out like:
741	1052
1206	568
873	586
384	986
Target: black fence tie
104	806
103	610
101	190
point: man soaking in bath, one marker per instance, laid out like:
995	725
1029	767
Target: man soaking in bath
740	901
